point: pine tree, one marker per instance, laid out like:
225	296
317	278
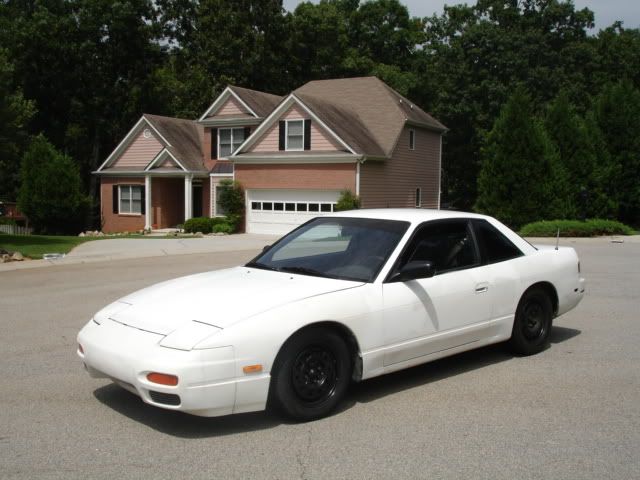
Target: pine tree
519	173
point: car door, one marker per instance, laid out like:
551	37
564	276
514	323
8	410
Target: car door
428	315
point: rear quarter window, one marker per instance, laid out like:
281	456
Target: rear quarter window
494	245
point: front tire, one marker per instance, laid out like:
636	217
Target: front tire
532	324
311	374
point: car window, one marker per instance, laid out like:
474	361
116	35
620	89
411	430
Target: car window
335	247
448	245
496	247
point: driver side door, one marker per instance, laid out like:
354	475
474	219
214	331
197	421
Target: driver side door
424	316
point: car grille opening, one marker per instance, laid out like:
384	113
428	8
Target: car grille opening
164	398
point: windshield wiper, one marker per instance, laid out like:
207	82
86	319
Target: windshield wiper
306	271
261	266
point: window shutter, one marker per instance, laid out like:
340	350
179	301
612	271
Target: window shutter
307	134
214	143
247	132
115	198
143	207
281	143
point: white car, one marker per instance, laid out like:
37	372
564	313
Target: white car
344	297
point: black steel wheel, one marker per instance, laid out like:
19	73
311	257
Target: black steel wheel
532	323
311	374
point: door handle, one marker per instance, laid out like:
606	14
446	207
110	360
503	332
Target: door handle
482	287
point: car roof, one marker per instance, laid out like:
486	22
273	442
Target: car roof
413	215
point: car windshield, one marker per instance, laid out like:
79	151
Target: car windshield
335	247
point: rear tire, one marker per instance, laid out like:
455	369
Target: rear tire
532	323
311	374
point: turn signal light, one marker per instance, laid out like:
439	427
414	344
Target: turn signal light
162	379
252	369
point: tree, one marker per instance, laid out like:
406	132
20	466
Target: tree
473	58
616	113
518	174
15	112
50	190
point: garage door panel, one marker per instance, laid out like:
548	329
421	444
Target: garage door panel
280	211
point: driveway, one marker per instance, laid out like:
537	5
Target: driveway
128	248
570	412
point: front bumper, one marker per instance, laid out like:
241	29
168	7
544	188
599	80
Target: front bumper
208	384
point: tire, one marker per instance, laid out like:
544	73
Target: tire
532	324
311	374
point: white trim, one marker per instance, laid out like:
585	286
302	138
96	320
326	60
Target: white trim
286	135
440	173
218	102
127	139
148	221
275	115
188	197
221	175
287	159
152	173
231	122
162	155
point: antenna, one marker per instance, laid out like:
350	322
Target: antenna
557	238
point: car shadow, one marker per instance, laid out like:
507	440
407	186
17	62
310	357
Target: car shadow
182	425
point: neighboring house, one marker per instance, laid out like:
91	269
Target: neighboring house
293	155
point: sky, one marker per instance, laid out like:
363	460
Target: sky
606	11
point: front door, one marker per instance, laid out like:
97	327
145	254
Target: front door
430	315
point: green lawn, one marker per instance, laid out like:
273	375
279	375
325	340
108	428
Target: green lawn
35	246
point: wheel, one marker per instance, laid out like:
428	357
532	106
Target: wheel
311	374
532	324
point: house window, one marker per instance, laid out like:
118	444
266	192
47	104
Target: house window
412	139
130	199
295	135
229	139
418	197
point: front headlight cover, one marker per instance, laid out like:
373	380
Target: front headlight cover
189	335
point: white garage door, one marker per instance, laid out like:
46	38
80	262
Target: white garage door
280	211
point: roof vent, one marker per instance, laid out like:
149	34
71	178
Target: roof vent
146	133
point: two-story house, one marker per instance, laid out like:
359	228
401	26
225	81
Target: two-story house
293	155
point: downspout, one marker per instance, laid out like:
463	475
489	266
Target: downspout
440	173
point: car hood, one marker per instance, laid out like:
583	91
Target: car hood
220	298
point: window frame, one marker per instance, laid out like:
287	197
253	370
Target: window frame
474	242
286	135
418	197
130	186
231	137
412	139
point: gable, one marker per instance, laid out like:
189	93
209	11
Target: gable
143	149
321	140
232	107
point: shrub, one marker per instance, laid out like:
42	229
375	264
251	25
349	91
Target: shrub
575	228
7	221
231	197
223	228
198	224
347	201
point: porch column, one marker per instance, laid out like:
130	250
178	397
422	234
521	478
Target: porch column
147	203
188	200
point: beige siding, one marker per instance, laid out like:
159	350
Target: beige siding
140	151
321	141
167	163
393	183
232	107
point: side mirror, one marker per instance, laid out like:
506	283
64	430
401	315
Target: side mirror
415	270
265	248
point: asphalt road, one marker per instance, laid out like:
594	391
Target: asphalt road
570	412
